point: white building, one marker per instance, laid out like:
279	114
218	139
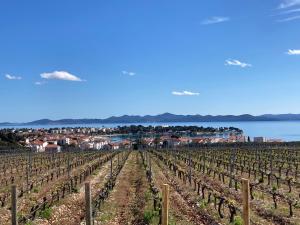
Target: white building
100	144
64	141
86	145
38	146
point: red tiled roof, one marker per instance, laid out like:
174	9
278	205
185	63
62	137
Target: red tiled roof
37	142
51	146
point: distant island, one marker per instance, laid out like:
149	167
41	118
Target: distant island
162	118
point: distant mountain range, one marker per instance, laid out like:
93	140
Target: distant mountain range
163	118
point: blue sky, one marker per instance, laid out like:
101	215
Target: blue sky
94	59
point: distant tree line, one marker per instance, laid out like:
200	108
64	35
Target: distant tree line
9	142
139	129
12	137
9	137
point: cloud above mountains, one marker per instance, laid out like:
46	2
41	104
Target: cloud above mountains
290	9
185	93
288	3
60	75
124	72
214	20
234	62
293	52
289	18
11	77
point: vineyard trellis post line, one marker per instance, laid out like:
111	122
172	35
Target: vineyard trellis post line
150	165
271	165
232	161
190	169
88	204
148	158
118	159
28	169
111	167
14	220
165	209
246	201
69	166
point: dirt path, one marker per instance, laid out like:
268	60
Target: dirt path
140	188
127	201
70	211
180	212
28	200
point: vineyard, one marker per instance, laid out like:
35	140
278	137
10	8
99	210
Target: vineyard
126	186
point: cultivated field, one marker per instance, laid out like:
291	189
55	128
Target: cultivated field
205	185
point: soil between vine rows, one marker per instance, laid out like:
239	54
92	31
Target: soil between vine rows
70	211
128	201
30	198
131	200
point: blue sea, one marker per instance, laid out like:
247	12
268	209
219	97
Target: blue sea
286	130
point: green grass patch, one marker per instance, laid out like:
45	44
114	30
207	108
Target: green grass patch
35	190
237	221
46	213
202	204
149	216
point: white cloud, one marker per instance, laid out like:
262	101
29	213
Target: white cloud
39	82
184	93
293	52
215	19
290	11
11	77
234	62
288	3
60	75
289	8
289	19
128	73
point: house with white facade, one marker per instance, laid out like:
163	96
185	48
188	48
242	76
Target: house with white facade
38	146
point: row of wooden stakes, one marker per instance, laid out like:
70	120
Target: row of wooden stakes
165	204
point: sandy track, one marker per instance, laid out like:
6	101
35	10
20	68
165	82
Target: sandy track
126	202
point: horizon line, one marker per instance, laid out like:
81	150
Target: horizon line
132	115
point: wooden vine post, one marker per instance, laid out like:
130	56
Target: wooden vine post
28	173
118	159
14	220
165	205
88	204
232	161
190	168
246	201
69	166
111	167
150	164
271	165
